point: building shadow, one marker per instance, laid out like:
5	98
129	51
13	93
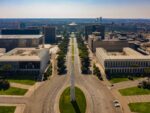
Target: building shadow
76	107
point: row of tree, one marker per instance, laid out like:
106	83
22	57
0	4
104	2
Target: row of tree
97	72
84	56
61	59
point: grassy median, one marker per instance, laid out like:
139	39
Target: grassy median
66	106
7	109
140	107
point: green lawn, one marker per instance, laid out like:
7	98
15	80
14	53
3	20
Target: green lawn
27	82
134	91
140	107
23	79
117	79
13	91
77	107
7	109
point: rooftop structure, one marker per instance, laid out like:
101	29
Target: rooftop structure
20	41
23	54
2	51
20	36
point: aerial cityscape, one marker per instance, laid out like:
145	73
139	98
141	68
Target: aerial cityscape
73	56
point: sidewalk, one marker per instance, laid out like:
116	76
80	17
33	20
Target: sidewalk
17	85
127	84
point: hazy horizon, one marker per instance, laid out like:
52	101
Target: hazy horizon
117	9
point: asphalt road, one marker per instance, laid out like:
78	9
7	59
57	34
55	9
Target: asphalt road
99	98
99	94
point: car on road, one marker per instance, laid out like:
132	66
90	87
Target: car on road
116	103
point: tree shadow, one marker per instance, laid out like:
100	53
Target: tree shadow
76	107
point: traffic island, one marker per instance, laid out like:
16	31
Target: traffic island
77	106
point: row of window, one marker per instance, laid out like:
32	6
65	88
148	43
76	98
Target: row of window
126	70
127	63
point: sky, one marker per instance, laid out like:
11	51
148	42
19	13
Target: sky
74	8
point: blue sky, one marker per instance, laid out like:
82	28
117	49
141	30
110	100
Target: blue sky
74	8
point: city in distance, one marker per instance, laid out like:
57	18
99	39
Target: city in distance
90	56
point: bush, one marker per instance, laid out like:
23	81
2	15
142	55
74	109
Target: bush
144	84
4	85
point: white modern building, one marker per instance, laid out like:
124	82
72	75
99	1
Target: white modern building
128	61
26	60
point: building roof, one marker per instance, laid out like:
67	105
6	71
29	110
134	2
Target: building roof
20	36
127	54
24	54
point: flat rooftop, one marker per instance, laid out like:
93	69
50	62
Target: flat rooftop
127	53
20	36
24	54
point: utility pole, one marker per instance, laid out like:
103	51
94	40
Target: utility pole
72	87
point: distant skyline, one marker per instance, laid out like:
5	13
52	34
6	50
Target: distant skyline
74	8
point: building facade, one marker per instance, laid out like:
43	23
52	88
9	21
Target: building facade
110	45
95	28
26	61
20	31
126	62
13	41
49	34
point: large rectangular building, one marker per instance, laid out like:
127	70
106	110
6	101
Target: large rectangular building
13	41
49	34
20	31
26	60
109	44
126	62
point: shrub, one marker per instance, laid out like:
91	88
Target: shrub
4	85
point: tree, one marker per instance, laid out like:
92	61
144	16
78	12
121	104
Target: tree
147	72
4	85
5	70
97	72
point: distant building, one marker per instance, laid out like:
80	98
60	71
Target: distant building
123	63
20	31
22	25
26	61
95	28
13	41
49	34
109	44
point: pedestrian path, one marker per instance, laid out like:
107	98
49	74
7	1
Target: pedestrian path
138	98
23	86
127	84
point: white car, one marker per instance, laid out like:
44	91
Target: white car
116	103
